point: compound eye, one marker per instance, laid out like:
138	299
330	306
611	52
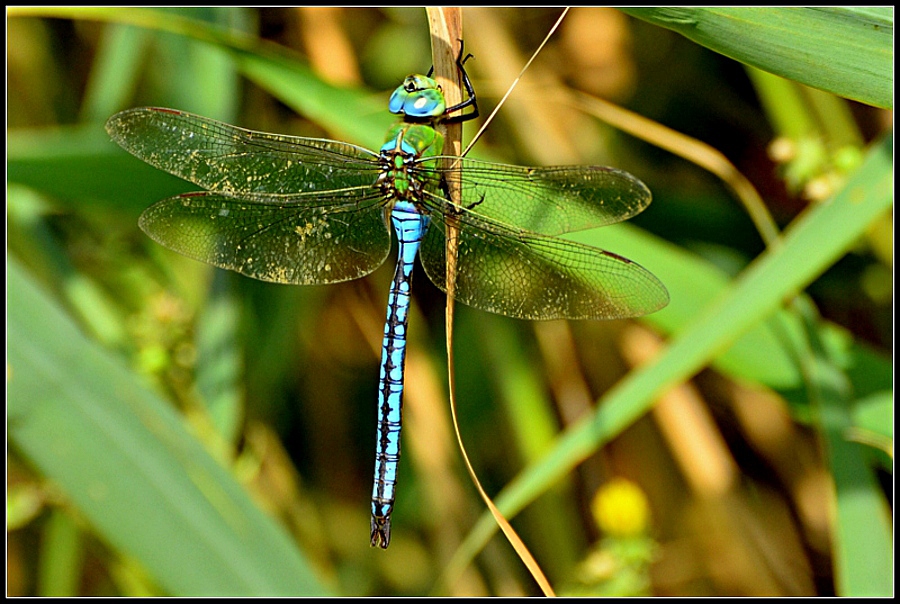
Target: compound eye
419	96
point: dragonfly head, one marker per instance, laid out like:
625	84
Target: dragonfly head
418	97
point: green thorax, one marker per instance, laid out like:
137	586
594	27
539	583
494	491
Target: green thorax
419	140
404	176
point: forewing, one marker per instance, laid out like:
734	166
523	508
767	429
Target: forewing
548	200
289	244
531	276
244	163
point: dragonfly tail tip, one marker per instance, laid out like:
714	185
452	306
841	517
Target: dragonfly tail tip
381	531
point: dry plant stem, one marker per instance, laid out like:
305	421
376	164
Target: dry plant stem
446	36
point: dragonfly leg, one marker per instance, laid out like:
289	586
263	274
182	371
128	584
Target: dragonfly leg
475	203
470	90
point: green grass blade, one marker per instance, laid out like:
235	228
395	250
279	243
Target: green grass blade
846	50
758	355
219	361
271	67
816	240
65	162
115	74
126	461
861	539
764	353
62	557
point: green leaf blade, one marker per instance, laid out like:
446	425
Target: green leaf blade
844	50
126	461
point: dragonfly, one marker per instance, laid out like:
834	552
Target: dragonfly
297	210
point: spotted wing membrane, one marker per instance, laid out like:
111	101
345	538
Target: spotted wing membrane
277	208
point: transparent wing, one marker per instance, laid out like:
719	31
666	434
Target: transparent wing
283	244
530	276
224	159
548	200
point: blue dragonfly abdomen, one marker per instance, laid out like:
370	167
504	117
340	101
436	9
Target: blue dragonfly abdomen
409	224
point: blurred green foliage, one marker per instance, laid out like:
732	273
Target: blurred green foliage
176	430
